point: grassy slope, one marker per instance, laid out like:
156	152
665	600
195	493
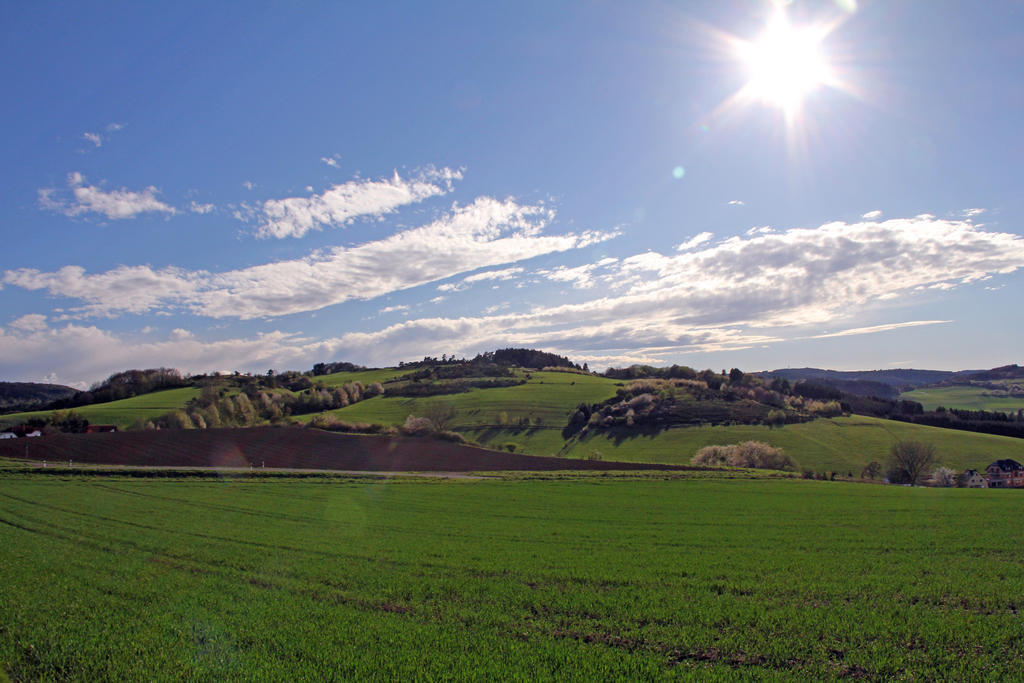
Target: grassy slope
970	398
123	412
365	377
525	580
547	396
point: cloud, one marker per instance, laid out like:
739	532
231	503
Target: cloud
971	213
80	355
249	185
115	205
581	277
332	160
878	328
730	295
736	202
30	322
97	139
695	241
196	207
464	283
872	215
341	204
394	309
486	233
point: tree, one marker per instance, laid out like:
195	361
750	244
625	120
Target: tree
943	476
908	460
735	376
441	413
871	470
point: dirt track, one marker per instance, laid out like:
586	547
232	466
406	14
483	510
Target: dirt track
287	448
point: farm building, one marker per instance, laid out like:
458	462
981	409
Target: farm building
99	429
973	479
1005	474
7	435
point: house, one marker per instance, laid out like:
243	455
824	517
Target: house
99	429
7	435
973	479
1005	474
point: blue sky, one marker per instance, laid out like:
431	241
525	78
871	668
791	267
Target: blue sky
215	186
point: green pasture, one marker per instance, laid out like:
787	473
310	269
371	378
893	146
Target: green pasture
107	578
844	444
365	377
968	398
123	412
547	398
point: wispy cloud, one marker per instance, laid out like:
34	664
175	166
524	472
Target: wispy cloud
971	213
30	322
341	204
877	328
503	274
332	160
90	199
695	241
97	139
736	202
486	233
872	215
196	207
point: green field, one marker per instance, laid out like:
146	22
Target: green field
969	398
547	397
123	412
365	377
118	579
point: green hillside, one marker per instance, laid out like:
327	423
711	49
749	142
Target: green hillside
546	398
123	412
364	377
966	397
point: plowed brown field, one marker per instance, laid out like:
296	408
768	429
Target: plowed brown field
290	448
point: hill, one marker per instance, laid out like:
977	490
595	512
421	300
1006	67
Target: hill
28	395
895	378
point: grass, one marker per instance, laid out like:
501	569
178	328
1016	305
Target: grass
366	377
842	444
108	578
547	397
969	398
123	412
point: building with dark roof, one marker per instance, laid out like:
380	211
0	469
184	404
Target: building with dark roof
1005	474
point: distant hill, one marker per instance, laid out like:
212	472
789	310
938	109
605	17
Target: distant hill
29	395
902	379
1003	372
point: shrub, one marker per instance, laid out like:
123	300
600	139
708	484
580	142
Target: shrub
753	454
944	477
417	426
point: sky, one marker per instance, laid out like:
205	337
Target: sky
226	186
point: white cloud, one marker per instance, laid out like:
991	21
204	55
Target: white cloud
581	277
695	241
196	207
878	328
95	138
971	213
719	298
30	322
736	202
394	309
249	185
332	160
464	283
116	204
81	355
485	233
341	204
179	334
872	215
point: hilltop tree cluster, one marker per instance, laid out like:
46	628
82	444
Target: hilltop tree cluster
734	398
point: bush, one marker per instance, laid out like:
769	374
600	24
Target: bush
753	454
417	426
944	477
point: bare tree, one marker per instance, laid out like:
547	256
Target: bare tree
871	470
908	460
441	413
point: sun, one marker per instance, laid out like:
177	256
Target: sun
785	63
